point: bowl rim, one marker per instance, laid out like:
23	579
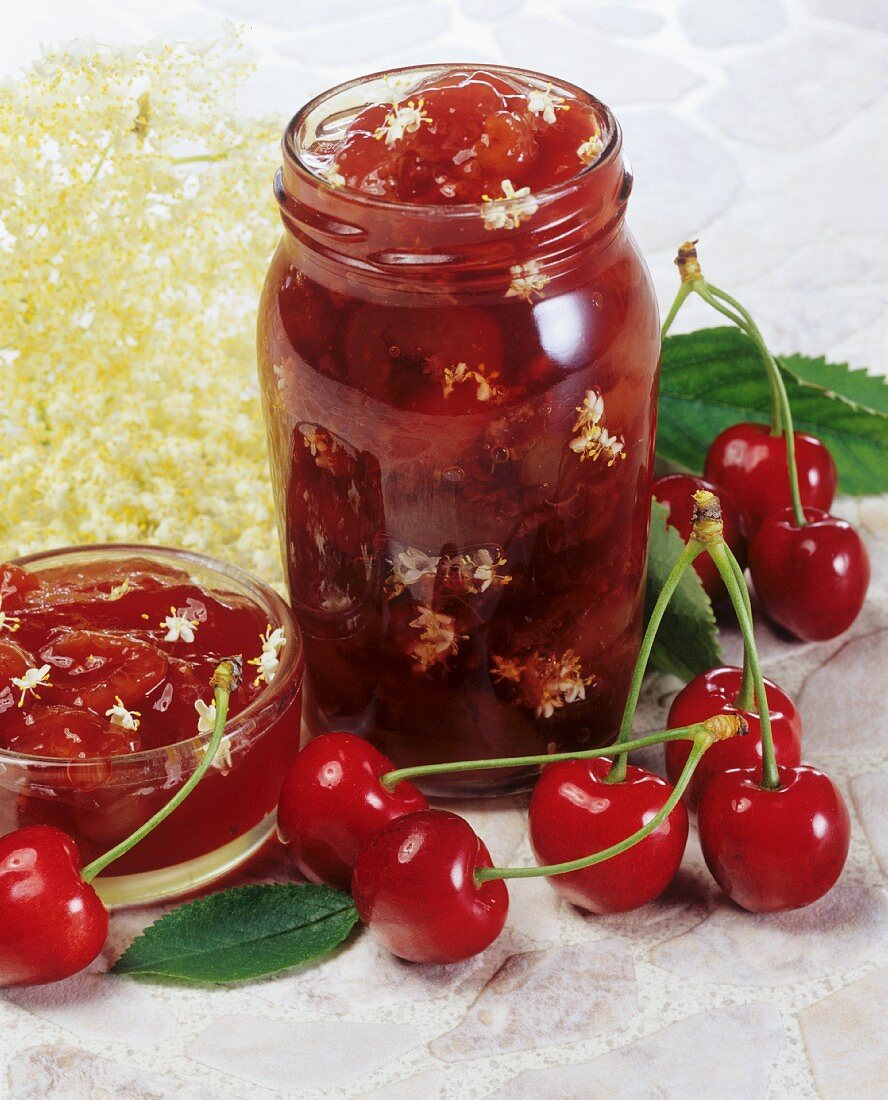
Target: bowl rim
280	613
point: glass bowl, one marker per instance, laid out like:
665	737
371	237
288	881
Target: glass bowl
230	814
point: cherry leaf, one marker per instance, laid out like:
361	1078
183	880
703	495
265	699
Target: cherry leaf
687	641
243	933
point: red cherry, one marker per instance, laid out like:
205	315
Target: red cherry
574	812
332	804
811	580
675	491
774	850
414	888
53	923
750	464
715	692
67	733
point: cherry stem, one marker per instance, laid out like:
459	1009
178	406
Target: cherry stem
693	548
680	733
746	695
701	744
222	682
684	291
729	569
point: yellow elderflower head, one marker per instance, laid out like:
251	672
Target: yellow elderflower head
136	221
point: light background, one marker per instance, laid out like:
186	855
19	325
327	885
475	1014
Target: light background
760	126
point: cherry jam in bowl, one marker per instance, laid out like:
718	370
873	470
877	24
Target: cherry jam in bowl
106	655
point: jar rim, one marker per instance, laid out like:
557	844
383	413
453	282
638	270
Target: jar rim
290	142
279	613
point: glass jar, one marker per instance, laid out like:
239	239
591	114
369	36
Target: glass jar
100	801
461	424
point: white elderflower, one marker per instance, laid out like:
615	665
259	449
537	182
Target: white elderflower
541	101
485	570
401	121
333	176
206	716
485	389
507	211
593	440
120	716
412	567
591	148
438	638
506	668
527	280
9	622
454	375
179	627
120	590
32	679
591	411
564	685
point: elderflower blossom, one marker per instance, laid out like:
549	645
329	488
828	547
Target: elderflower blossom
566	685
411	567
114	434
438	638
333	176
32	679
120	716
508	211
178	627
401	121
268	661
486	570
591	148
485	391
206	716
9	622
593	440
120	590
544	683
541	101
527	280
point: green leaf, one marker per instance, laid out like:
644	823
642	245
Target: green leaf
714	377
687	641
242	933
856	387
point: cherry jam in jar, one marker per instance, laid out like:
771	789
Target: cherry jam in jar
106	708
458	356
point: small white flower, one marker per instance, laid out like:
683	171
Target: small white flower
333	176
591	148
459	373
206	716
120	716
453	376
506	668
438	638
401	121
541	101
179	626
527	280
591	410
120	590
267	663
506	212
33	678
594	440
9	622
485	569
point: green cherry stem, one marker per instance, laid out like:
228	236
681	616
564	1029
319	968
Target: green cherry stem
729	568
224	680
746	695
701	744
681	733
692	550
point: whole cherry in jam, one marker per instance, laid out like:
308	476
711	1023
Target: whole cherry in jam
749	463
575	812
676	491
333	803
53	923
771	850
716	691
414	888
811	580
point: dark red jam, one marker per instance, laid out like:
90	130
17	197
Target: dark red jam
458	350
455	138
114	657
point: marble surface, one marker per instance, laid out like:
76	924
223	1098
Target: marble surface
756	127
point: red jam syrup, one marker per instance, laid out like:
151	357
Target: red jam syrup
112	658
458	347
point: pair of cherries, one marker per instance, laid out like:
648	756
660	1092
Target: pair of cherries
413	871
811	580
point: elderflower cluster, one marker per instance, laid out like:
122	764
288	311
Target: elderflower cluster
593	440
268	661
544	683
508	211
527	280
437	640
485	390
136	221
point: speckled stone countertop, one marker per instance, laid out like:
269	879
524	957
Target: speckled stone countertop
754	126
